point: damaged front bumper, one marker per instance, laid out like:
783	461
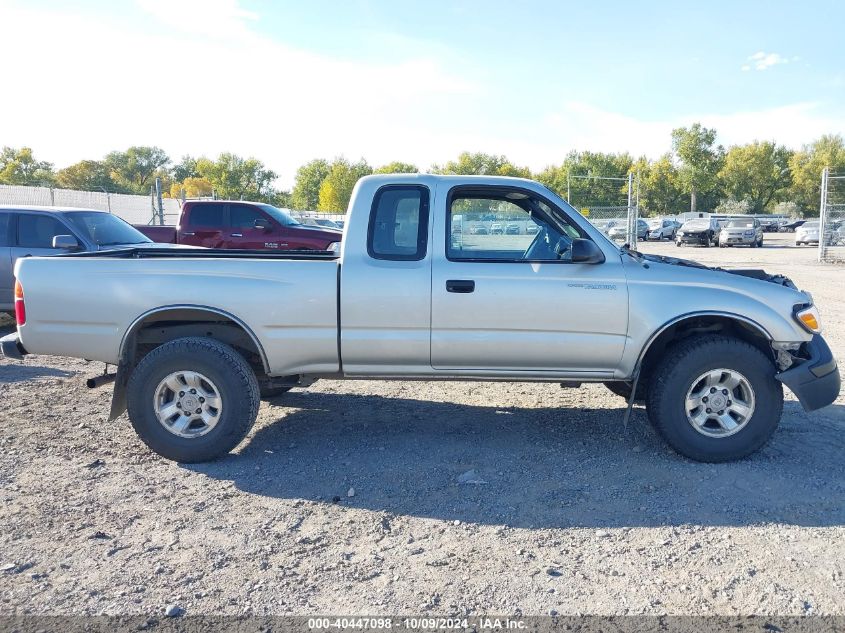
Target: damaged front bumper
815	378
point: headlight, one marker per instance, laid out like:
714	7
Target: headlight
749	234
809	318
334	247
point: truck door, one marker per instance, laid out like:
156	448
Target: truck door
514	302
7	281
205	225
249	227
385	288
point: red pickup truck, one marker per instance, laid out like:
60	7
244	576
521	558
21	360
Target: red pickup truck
243	225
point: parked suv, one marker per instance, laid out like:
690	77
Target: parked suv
661	229
37	231
741	232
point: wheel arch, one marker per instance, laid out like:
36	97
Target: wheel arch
701	322
177	321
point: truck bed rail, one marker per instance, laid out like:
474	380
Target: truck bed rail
205	253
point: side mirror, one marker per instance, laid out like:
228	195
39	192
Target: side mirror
586	252
65	242
263	224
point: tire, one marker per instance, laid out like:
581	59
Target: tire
227	372
675	376
678	244
272	392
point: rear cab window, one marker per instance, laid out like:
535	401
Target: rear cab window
398	228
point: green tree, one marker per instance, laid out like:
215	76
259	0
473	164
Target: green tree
306	189
237	178
336	188
136	169
806	166
185	168
590	179
481	164
86	175
397	167
661	192
757	172
19	167
701	160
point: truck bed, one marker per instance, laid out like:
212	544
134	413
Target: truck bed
160	234
82	304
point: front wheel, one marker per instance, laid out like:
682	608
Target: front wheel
192	399
715	399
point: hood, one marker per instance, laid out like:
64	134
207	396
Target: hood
737	230
749	273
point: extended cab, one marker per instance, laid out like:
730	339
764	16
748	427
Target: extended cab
242	225
198	337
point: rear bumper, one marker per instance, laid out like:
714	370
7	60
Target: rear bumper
11	347
816	381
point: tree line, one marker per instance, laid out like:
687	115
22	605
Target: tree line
697	174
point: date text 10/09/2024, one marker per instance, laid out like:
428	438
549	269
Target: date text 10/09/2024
411	623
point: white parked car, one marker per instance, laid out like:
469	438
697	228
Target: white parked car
661	229
807	233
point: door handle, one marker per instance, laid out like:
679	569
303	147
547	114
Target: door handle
461	286
236	235
191	233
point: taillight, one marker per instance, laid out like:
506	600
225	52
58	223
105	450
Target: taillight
20	308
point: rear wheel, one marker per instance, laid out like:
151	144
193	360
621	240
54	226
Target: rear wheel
192	399
715	399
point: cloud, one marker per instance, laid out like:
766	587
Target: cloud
762	61
205	80
214	18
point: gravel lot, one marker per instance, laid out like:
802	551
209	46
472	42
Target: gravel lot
356	497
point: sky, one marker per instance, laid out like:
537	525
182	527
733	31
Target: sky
286	81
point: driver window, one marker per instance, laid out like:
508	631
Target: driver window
507	227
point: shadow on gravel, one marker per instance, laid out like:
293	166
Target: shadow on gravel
534	468
18	372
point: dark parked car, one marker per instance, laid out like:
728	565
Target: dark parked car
244	225
702	231
37	231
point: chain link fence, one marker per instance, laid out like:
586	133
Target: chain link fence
832	218
132	208
620	222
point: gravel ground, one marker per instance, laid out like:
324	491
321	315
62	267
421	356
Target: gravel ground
428	498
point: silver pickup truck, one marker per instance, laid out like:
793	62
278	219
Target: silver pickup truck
199	337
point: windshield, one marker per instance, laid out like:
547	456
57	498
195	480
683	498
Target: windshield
105	229
740	224
282	216
655	224
696	224
811	225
